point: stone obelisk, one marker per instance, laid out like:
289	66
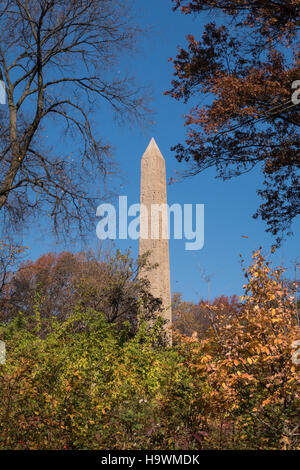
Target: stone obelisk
154	227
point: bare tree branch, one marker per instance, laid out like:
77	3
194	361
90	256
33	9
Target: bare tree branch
59	62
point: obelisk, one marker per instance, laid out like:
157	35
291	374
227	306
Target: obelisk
154	228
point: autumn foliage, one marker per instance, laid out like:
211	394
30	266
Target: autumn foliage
60	282
238	72
86	383
252	386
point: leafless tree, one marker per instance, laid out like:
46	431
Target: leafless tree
10	255
58	60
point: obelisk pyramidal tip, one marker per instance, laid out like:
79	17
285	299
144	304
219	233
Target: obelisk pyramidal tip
154	227
152	150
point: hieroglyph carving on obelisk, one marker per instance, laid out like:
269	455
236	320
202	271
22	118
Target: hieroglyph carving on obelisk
154	226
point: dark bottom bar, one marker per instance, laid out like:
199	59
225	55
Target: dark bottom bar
137	459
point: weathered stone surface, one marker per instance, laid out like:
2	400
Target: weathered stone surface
154	231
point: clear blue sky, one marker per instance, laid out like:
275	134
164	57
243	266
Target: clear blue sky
229	206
